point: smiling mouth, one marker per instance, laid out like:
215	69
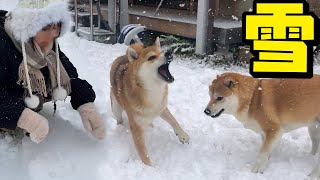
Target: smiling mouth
218	114
164	72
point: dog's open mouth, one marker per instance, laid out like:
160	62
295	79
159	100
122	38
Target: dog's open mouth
218	114
164	72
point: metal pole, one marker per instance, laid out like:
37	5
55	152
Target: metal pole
202	24
124	15
116	16
112	14
76	16
99	18
91	21
210	31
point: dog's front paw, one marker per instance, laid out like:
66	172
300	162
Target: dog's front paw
183	137
312	176
315	174
256	169
314	149
313	152
260	164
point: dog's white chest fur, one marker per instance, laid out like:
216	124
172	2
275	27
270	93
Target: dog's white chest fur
253	125
250	123
157	101
155	93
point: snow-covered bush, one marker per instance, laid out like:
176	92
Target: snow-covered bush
178	45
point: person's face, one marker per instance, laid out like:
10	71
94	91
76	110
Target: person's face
47	35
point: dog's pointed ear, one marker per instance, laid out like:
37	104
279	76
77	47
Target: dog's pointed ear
230	82
157	42
139	42
132	54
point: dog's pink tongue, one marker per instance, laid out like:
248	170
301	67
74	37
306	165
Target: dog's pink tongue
163	72
166	74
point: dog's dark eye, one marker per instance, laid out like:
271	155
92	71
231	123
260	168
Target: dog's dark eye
219	98
152	58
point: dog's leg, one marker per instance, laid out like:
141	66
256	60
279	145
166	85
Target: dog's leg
167	116
262	137
314	131
116	108
315	174
271	139
138	138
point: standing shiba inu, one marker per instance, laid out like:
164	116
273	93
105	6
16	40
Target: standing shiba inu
268	106
139	86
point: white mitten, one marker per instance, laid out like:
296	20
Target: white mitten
35	124
92	120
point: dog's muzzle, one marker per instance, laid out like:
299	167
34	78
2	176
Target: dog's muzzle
163	70
209	113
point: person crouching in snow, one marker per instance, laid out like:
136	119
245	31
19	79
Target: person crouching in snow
33	70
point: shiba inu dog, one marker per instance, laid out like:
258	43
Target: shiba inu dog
268	106
139	86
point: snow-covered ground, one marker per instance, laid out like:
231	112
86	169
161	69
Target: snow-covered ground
220	149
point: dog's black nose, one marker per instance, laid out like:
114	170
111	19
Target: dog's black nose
168	54
207	112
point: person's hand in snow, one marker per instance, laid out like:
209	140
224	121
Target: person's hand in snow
92	120
35	124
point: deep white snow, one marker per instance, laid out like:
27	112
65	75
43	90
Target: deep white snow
220	149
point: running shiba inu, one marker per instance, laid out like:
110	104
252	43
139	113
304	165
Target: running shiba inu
268	106
139	86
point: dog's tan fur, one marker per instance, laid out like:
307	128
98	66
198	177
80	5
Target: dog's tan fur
268	106
137	89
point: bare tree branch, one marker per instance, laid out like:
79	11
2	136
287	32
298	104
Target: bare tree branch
158	8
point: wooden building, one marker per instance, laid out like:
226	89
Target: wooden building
220	19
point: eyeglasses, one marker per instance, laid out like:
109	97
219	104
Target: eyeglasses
52	26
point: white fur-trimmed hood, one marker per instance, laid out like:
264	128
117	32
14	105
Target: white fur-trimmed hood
26	22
